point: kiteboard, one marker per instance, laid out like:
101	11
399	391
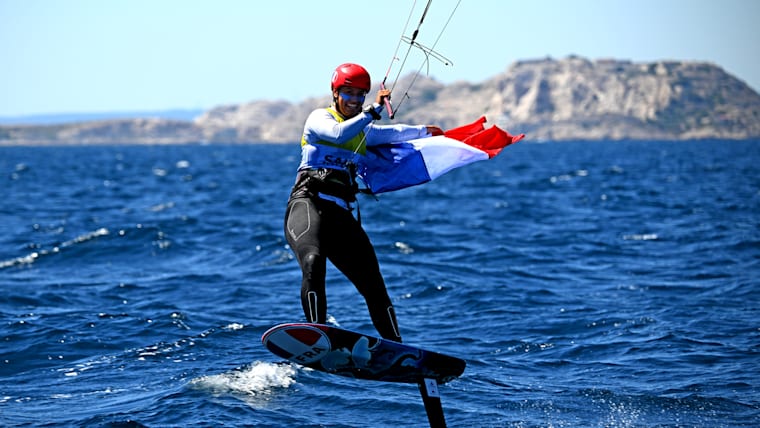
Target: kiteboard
356	355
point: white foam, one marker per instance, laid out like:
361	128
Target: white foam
32	257
641	237
258	378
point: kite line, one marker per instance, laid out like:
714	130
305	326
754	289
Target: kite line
429	52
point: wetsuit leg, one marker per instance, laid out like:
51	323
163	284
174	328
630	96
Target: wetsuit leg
302	231
353	254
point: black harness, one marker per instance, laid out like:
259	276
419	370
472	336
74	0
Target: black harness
333	182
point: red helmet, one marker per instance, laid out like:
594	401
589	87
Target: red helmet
353	75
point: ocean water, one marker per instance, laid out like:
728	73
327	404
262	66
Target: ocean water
586	284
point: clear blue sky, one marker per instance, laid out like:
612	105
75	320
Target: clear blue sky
74	56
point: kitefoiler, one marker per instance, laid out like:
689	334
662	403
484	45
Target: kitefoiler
341	148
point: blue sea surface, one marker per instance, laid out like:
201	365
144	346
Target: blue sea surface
586	284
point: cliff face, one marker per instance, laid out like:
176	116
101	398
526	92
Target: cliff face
569	99
576	98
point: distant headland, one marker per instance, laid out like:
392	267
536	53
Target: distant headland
573	98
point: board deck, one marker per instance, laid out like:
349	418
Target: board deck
348	353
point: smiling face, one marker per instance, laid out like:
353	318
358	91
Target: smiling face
349	100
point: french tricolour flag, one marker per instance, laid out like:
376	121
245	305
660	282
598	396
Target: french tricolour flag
397	165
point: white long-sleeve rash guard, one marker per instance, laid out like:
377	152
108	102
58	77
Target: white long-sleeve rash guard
327	142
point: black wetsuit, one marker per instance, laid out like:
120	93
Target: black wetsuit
319	230
319	225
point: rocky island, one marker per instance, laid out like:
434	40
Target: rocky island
548	99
